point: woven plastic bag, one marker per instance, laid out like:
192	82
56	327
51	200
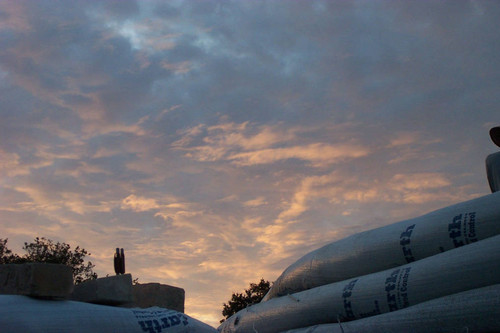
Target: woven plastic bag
468	267
30	315
392	245
476	310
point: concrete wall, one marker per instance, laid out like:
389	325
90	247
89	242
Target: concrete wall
36	280
155	294
56	281
112	290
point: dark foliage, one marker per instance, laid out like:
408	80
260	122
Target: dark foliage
250	296
6	255
45	250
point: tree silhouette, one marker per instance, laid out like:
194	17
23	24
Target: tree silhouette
6	255
45	250
250	296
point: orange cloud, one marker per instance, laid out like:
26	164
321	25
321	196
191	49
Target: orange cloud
418	181
139	204
244	145
255	202
317	153
9	164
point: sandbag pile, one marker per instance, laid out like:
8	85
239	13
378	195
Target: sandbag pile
25	314
392	274
470	311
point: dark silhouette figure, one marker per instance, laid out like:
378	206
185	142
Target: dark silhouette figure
119	261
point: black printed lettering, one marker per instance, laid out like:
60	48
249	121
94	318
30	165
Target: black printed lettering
396	287
348	310
472	228
457	221
184	319
455	232
165	323
158	321
174	320
374	312
147	326
404	241
407	233
408	255
390	282
347	292
391	302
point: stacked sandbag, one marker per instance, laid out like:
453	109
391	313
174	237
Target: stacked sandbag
464	268
493	162
476	310
393	245
493	171
26	314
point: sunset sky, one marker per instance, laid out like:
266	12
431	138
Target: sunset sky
219	141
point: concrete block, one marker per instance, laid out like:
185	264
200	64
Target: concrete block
112	290
36	280
155	294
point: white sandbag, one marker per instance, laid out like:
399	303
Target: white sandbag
393	245
476	310
30	315
493	171
472	266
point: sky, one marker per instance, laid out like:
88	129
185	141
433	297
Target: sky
219	141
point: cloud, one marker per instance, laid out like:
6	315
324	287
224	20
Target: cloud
178	68
403	139
255	202
244	145
9	164
318	154
418	181
139	204
310	187
420	188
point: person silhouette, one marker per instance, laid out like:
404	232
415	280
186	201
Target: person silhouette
119	261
